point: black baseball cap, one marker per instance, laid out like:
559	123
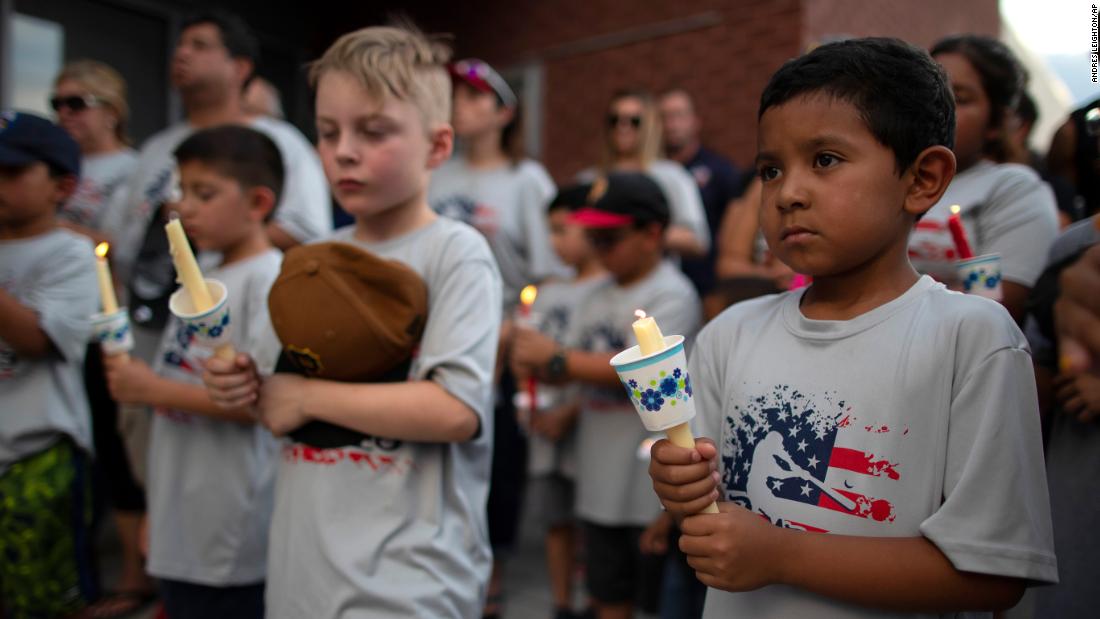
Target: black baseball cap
623	199
26	139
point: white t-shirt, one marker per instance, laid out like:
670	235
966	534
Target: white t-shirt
1005	208
101	178
508	206
42	400
304	208
685	205
613	485
211	481
393	528
918	418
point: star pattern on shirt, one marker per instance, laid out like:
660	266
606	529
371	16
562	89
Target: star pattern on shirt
777	484
805	490
812	462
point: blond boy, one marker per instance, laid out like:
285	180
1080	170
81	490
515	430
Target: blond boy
393	526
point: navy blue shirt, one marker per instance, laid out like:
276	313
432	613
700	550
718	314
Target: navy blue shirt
719	182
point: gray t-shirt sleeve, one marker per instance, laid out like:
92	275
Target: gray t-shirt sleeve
459	345
1019	222
66	297
990	463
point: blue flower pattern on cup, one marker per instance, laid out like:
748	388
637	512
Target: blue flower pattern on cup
660	391
982	277
113	335
205	330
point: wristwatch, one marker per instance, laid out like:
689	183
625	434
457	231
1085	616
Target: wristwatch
555	368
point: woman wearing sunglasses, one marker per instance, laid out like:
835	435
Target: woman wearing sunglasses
632	143
89	99
490	185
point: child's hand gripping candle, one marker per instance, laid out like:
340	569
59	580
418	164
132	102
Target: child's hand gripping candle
200	303
526	300
655	376
111	327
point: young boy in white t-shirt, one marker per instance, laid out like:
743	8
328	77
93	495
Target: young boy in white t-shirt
47	294
211	470
405	536
625	216
873	440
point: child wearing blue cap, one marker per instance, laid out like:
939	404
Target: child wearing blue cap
47	293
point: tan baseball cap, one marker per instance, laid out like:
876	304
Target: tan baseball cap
344	314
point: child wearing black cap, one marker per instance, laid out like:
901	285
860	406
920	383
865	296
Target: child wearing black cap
47	293
625	220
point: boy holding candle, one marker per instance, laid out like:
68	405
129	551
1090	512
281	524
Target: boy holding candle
551	452
47	294
394	526
211	470
625	217
893	418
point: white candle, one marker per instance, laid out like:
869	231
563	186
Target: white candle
187	268
106	285
650	341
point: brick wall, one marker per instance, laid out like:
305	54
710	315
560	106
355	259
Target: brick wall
722	51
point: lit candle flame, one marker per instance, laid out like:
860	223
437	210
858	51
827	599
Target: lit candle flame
101	249
527	295
955	208
639	313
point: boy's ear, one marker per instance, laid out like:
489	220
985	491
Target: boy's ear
243	67
261	201
930	174
441	140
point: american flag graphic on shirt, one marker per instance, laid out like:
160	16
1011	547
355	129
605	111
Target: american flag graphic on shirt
787	446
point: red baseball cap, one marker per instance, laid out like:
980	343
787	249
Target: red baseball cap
480	75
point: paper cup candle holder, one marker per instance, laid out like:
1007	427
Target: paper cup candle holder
655	376
201	304
979	275
111	327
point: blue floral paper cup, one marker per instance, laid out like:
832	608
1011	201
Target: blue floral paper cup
212	328
981	276
658	384
112	332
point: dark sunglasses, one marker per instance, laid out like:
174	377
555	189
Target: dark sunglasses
613	120
74	103
605	239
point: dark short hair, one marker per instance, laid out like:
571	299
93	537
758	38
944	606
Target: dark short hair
245	155
571	198
237	37
1003	77
901	93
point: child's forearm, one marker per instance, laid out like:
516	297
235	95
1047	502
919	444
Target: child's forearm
591	367
410	411
899	574
19	327
194	399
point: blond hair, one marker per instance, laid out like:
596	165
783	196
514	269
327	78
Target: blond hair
649	138
399	62
105	84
